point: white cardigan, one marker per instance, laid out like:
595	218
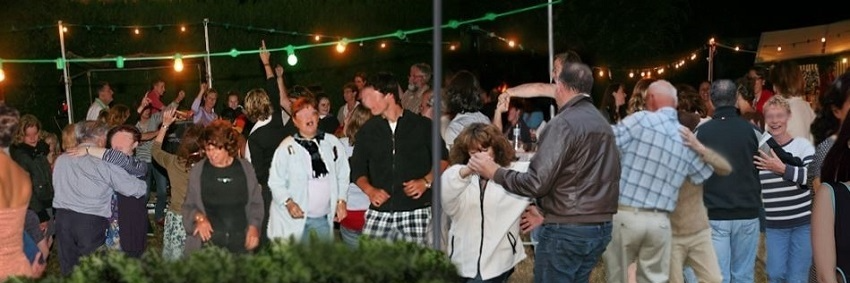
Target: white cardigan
502	247
290	172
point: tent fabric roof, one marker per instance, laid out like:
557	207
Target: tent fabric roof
804	42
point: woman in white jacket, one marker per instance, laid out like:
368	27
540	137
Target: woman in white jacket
484	241
308	179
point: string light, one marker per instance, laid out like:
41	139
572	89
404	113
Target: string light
601	73
511	43
631	75
317	38
119	62
178	62
452	47
823	39
737	48
2	73
643	74
383	45
693	56
64	29
843	60
340	47
291	59
661	71
779	48
182	28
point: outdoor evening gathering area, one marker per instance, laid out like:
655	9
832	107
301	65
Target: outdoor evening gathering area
424	141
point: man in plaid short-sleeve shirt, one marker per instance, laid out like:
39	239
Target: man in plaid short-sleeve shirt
655	163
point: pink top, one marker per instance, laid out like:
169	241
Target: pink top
14	262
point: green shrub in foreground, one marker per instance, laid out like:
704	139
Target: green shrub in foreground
373	261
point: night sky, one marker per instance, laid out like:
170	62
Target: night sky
741	19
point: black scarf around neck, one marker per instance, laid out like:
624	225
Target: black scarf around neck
783	155
319	169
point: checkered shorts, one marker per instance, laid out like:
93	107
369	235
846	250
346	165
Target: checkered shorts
409	226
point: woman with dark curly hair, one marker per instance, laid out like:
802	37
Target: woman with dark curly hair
223	204
834	105
464	95
484	241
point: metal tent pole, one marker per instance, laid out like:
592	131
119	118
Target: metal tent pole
436	145
207	58
65	77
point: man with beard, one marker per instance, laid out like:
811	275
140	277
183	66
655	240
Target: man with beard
420	76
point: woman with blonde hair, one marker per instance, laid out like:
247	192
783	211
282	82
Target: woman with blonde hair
69	137
30	152
783	173
637	100
117	115
351	227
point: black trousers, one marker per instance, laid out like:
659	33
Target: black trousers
77	235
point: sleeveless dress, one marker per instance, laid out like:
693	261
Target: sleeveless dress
14	261
842	229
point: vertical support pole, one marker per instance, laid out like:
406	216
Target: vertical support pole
437	79
65	77
207	58
712	48
551	39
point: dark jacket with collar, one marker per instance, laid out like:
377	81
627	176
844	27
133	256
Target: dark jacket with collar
34	160
737	195
575	174
389	159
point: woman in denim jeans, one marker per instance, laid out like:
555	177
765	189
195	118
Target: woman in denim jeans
782	162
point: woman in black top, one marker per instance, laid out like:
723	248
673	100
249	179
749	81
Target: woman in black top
224	197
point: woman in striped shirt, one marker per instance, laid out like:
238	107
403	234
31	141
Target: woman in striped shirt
787	200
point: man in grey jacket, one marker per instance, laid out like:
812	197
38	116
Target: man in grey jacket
574	176
83	193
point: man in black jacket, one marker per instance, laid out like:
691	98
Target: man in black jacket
733	201
391	163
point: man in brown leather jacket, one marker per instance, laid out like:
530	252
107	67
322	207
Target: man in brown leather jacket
575	177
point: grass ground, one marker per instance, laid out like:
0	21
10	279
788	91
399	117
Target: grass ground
524	271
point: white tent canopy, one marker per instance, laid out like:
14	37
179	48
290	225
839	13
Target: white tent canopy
821	40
